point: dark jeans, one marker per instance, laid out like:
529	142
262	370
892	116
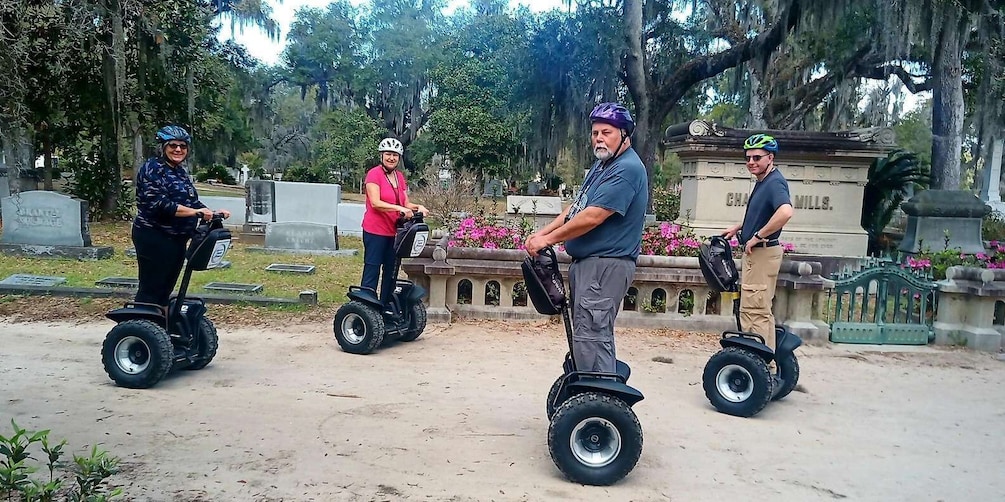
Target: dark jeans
159	257
378	253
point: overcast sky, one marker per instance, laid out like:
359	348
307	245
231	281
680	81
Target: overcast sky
268	51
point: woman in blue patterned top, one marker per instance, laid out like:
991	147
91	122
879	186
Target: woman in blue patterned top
167	208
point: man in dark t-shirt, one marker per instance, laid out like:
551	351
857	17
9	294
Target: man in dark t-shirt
769	208
602	231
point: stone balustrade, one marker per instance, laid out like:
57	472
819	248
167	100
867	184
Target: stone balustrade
971	308
667	291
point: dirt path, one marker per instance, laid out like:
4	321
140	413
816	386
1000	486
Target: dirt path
459	415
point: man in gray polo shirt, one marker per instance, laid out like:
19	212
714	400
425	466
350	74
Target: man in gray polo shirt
602	232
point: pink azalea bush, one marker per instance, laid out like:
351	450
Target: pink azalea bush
668	239
671	239
478	232
938	262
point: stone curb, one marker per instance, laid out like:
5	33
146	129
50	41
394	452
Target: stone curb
130	293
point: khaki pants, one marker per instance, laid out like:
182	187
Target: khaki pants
759	276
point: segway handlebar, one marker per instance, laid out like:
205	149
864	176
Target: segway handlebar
217	216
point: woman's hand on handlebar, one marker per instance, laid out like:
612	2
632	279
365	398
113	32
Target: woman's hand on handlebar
423	210
406	212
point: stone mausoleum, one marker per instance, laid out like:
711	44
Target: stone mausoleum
827	173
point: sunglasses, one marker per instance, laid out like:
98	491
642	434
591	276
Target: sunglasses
755	158
176	146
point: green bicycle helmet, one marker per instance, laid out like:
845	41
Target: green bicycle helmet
761	141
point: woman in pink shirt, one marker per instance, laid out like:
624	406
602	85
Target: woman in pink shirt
386	201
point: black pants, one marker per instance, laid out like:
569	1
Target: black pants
159	257
378	253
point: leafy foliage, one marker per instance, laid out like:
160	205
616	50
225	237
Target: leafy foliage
88	472
890	181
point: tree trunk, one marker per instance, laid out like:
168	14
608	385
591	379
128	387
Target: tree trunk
47	159
638	86
757	101
947	101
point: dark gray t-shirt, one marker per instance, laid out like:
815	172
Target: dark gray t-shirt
766	197
622	187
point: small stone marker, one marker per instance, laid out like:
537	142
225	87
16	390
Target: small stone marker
119	282
235	287
32	280
297	269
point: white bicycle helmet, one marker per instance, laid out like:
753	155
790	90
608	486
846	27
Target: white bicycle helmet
391	145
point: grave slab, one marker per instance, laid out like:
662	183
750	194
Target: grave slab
32	280
71	252
118	282
235	287
297	269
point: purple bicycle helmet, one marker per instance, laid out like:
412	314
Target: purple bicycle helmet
614	114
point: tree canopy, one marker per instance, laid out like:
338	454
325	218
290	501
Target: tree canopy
498	91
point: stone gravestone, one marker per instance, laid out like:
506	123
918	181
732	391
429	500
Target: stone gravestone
991	194
4	184
302	237
261	202
520	204
494	188
47	224
310	202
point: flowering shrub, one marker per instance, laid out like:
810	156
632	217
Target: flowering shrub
938	262
670	239
479	232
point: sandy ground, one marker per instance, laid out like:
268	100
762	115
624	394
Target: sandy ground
459	415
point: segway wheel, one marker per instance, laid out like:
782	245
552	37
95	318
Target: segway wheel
788	371
207	342
359	328
737	382
595	439
137	354
416	322
552	395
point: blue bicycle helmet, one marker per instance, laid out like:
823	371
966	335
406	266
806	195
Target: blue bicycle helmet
613	114
173	132
761	141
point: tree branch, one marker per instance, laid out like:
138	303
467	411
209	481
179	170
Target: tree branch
883	72
698	69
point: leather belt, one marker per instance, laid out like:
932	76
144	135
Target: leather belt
770	243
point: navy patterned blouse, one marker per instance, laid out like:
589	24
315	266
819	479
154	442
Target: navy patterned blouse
160	189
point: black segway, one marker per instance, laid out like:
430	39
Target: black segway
594	437
145	344
737	380
364	323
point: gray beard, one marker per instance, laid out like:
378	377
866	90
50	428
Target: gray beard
602	155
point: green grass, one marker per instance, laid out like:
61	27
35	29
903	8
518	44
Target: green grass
331	279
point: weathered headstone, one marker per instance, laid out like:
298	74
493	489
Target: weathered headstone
32	280
310	202
938	220
520	204
533	188
494	188
302	237
43	223
261	204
